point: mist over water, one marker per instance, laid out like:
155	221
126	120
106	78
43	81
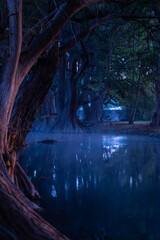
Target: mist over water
97	186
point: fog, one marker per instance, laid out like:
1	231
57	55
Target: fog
97	186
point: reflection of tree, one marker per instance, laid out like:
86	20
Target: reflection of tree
100	189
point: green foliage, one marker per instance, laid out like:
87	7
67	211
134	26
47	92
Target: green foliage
133	64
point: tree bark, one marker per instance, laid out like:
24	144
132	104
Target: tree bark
46	117
61	94
8	85
156	117
134	108
24	113
19	220
67	121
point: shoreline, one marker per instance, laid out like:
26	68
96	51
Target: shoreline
125	128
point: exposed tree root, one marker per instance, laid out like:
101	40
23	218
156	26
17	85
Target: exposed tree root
19	220
24	183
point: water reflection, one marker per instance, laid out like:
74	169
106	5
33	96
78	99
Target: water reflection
99	186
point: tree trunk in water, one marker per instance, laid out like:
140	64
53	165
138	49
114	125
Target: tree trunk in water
18	221
24	112
67	121
18	218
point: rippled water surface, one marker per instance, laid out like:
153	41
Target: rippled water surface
98	186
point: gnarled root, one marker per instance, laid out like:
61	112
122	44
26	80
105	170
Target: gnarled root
20	220
24	184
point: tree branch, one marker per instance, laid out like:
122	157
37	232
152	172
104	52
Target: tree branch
46	116
15	41
84	65
65	48
40	43
28	37
9	69
92	2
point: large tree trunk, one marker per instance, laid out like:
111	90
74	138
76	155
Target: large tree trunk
61	93
67	120
156	117
18	218
24	113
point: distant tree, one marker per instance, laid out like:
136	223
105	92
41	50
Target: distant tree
67	120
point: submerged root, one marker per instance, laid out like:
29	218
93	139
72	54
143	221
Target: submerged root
67	125
19	218
24	184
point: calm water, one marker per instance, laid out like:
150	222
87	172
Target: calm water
98	186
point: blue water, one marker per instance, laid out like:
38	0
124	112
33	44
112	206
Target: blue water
98	186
